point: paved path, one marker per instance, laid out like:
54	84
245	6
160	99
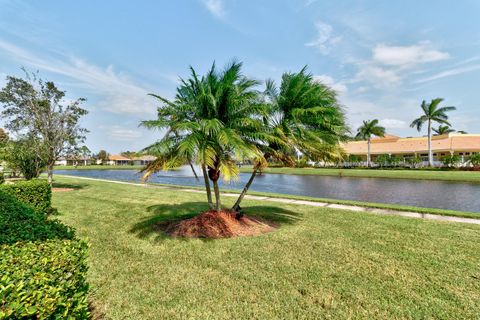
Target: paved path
305	202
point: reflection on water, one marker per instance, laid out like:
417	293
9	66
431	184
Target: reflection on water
419	193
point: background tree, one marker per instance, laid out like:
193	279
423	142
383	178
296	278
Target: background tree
26	156
3	137
38	108
431	113
102	155
443	130
129	154
366	131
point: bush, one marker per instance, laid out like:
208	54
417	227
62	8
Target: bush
475	159
18	222
34	193
44	280
2	178
451	160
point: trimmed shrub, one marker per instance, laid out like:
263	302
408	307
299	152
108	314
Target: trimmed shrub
35	193
44	280
18	222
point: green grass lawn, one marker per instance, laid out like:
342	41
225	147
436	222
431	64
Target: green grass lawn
320	263
418	174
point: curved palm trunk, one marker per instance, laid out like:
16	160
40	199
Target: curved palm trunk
430	153
236	206
193	169
368	152
207	186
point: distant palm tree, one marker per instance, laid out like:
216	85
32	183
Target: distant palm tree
443	130
366	130
432	113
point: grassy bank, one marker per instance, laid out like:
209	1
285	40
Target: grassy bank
417	174
320	263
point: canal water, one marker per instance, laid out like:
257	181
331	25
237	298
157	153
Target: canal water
419	193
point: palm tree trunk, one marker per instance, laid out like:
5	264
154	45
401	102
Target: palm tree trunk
245	190
207	186
430	153
193	169
218	204
368	153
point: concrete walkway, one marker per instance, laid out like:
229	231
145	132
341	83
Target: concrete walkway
304	202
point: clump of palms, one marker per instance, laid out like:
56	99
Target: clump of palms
219	119
213	121
432	113
368	129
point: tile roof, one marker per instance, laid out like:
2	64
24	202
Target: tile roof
117	157
393	144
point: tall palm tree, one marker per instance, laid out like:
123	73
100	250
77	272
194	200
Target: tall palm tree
302	115
214	120
443	130
366	131
432	113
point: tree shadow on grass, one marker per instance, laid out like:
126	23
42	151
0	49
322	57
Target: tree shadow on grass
162	215
66	185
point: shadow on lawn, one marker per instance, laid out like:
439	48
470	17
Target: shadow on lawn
164	214
76	186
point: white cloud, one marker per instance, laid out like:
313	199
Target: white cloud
122	134
339	87
449	73
215	7
324	41
379	77
405	56
118	93
393	124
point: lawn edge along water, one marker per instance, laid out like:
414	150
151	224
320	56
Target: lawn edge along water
373	205
407	174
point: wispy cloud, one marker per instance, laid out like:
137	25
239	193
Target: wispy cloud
338	86
389	65
407	56
119	133
449	73
118	93
216	7
324	41
393	124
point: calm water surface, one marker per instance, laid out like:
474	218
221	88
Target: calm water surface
420	193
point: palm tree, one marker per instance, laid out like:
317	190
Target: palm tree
214	121
302	115
365	132
443	130
431	113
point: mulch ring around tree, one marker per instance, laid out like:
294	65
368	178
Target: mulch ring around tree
214	225
62	189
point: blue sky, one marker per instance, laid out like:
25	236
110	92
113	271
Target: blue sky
382	57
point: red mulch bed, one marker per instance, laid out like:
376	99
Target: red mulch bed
223	224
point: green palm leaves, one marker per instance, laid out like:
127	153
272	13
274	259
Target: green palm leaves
221	118
365	132
431	113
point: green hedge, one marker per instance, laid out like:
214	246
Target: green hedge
35	193
44	280
18	222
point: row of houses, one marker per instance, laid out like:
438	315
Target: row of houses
113	160
463	145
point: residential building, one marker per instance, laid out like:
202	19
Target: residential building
462	145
